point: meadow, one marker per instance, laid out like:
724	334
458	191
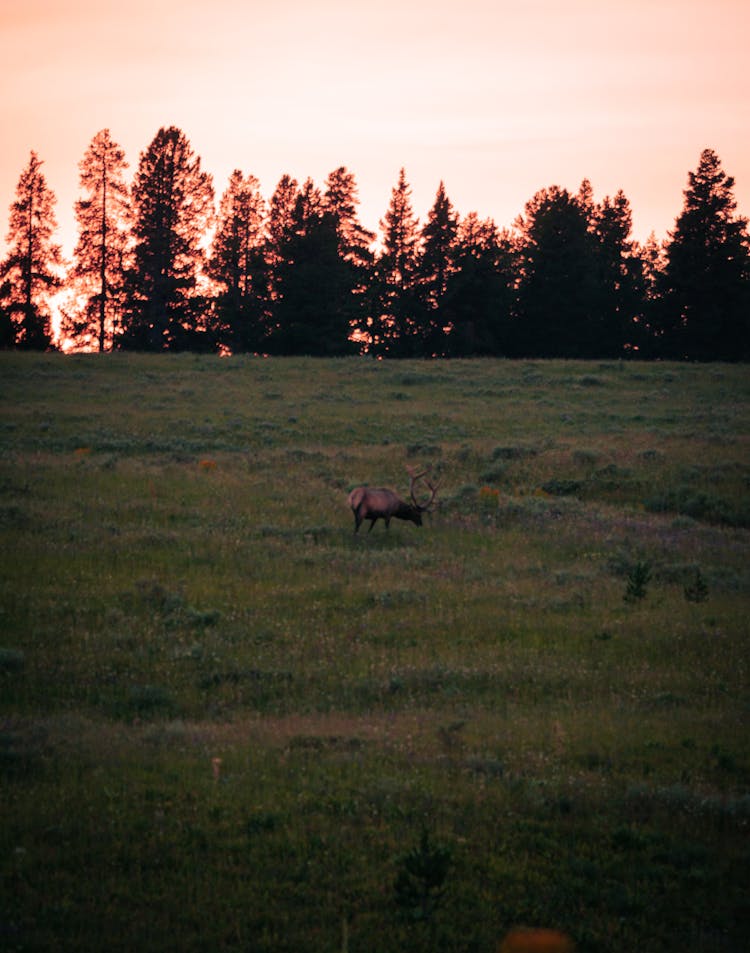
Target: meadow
229	723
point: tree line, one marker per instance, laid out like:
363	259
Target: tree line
158	267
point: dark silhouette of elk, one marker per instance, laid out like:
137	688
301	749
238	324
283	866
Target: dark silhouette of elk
372	504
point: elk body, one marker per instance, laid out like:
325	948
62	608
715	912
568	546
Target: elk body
369	503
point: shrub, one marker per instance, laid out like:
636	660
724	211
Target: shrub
513	453
700	505
638	580
11	660
147	701
557	487
697	589
421	879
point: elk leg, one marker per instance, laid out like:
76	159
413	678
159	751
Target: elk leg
357	519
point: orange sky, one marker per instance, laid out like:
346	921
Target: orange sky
497	98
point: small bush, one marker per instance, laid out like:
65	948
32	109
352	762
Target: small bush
700	505
11	660
513	453
421	879
147	701
697	589
556	487
19	756
638	580
493	474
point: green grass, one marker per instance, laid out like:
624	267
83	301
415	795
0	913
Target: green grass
180	583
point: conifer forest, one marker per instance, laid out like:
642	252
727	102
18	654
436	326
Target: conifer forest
163	263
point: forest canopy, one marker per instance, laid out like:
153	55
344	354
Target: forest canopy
164	264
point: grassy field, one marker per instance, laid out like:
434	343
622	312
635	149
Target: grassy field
228	723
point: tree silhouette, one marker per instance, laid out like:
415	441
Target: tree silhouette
238	264
705	313
341	200
395	320
647	333
557	294
314	305
299	274
279	228
29	275
100	257
620	278
173	206
434	269
479	296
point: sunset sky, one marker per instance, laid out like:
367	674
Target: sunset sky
497	98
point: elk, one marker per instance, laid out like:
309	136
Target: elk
372	504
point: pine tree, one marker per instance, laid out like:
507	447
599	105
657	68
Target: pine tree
173	207
647	336
558	304
341	200
279	227
238	264
30	273
435	267
706	282
314	306
395	326
620	278
281	211
100	256
479	295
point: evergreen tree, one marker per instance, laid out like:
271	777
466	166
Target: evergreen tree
647	336
620	278
238	265
100	256
173	207
281	212
341	200
479	295
558	307
30	273
314	306
395	327
279	228
434	269
705	313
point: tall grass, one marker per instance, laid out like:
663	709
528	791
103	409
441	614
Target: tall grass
228	723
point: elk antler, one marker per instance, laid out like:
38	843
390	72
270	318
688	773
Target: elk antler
433	488
413	477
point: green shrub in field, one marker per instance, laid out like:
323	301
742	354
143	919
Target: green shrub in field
11	660
701	505
638	579
562	487
146	701
697	589
422	878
